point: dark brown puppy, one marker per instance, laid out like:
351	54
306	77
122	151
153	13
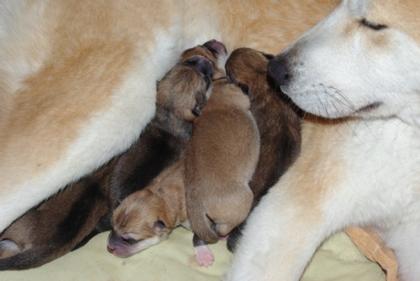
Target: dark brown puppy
278	123
219	163
83	209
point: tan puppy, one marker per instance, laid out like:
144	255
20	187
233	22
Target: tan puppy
148	216
220	161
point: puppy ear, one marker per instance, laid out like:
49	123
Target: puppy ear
268	56
196	110
200	102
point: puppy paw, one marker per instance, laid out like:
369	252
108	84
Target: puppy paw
204	256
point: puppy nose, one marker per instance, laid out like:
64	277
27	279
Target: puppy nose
278	70
110	248
202	65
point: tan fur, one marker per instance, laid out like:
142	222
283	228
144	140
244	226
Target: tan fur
269	27
220	161
400	14
313	190
164	200
30	128
85	64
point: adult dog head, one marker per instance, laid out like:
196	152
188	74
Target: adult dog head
363	60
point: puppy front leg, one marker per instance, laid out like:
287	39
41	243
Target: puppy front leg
280	238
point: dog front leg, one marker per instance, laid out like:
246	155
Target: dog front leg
281	236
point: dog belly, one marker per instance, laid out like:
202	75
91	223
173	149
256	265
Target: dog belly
88	105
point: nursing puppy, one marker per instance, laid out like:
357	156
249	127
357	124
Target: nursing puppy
83	209
278	123
147	217
359	67
219	163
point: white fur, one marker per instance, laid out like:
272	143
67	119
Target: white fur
378	153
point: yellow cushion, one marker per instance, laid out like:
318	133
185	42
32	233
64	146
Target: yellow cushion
172	260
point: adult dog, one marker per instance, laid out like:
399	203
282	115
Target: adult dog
360	66
77	78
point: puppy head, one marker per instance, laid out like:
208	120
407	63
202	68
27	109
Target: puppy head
138	223
363	60
184	90
247	67
212	50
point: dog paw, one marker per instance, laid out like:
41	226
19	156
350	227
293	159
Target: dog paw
204	256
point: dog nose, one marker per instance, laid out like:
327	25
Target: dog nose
202	65
278	70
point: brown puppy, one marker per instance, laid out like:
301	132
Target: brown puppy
220	161
82	209
278	123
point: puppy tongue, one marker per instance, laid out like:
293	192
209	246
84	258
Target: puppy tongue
216	47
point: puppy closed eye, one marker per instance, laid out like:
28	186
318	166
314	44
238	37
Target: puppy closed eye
372	25
130	240
159	225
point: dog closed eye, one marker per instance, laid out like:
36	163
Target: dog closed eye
372	25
